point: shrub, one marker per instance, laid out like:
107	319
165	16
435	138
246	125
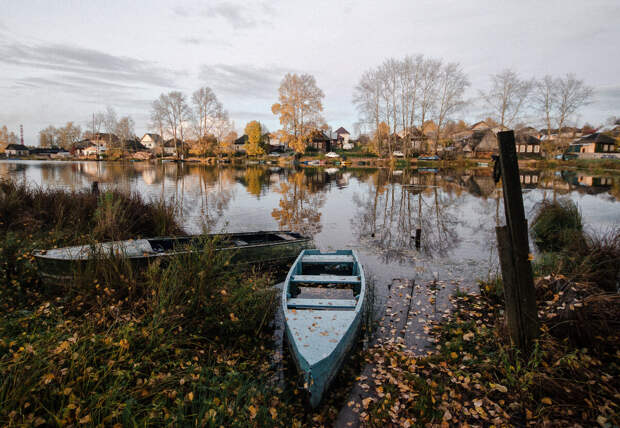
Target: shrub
557	225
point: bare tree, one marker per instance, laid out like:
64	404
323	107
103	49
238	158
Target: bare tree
207	111
48	137
109	123
544	99
451	87
125	131
367	98
175	112
558	99
507	96
158	120
68	135
572	95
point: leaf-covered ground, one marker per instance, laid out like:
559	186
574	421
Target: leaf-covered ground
476	378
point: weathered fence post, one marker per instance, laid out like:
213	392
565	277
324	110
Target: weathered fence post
94	188
513	249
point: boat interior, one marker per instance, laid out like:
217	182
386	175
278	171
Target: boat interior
160	245
325	282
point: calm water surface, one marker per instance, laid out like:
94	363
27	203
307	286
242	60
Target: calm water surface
375	211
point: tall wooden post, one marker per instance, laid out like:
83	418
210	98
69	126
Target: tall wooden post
513	248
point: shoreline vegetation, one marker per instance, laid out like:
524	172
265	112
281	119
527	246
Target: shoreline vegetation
191	342
600	165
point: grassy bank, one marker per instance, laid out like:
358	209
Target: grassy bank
189	342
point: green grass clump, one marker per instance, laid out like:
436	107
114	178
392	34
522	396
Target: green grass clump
557	225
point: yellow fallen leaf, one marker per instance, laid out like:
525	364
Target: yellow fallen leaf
252	410
273	412
86	419
546	401
366	402
190	396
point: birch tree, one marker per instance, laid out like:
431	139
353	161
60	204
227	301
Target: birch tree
109	123
557	100
507	96
176	113
208	112
451	86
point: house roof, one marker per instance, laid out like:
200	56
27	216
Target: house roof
154	137
525	138
171	142
341	130
318	136
477	124
241	140
16	147
597	137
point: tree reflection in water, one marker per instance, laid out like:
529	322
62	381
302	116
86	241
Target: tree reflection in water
299	207
396	205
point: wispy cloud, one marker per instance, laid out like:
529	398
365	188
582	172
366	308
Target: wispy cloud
238	15
608	97
74	60
243	80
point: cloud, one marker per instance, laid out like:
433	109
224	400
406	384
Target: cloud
192	40
243	80
608	97
85	62
238	15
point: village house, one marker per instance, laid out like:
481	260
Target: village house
527	145
593	146
173	147
480	126
50	152
151	141
341	139
15	150
239	144
93	150
319	141
275	144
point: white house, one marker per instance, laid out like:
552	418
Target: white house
16	150
151	141
93	150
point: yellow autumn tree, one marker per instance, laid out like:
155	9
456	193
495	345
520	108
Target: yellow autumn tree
253	131
299	107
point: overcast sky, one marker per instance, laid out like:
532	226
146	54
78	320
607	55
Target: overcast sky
64	60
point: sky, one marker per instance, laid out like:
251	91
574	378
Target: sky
63	60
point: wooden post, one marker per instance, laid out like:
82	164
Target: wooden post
418	233
513	247
94	188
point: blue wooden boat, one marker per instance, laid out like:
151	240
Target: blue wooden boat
322	300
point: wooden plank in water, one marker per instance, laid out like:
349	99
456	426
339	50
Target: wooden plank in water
328	258
321	303
326	279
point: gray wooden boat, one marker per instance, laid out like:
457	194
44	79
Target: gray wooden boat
270	248
322	300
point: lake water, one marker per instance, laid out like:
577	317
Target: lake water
375	211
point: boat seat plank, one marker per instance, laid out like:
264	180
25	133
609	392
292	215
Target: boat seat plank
326	279
328	258
321	303
285	236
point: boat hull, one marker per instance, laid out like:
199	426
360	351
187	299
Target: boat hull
320	363
56	270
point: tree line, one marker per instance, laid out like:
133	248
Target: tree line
403	95
400	98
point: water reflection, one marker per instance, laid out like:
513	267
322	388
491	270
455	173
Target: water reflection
299	206
378	210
